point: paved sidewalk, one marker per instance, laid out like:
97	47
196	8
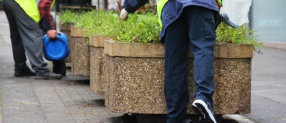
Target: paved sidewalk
276	45
70	100
268	85
26	100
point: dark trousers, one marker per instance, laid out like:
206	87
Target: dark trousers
195	28
26	38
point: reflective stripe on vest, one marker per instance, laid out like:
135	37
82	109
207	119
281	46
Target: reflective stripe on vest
31	8
53	3
219	3
160	6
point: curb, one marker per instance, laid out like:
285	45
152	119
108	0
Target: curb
238	118
275	45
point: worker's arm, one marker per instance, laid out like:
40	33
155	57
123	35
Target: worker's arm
130	6
46	21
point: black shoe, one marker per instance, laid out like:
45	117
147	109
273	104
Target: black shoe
204	110
59	67
24	72
63	72
48	75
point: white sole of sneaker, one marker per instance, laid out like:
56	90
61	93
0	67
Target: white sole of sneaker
199	109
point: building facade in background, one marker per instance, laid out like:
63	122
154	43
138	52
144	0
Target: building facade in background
268	20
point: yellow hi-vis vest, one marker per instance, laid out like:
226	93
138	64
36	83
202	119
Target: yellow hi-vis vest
31	8
161	4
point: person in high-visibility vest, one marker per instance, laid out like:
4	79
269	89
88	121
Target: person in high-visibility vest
186	23
26	37
48	26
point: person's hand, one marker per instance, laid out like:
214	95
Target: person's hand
52	34
123	14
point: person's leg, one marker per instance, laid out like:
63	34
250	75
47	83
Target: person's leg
31	36
21	68
59	67
176	86
202	36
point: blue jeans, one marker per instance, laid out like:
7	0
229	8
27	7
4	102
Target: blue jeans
195	28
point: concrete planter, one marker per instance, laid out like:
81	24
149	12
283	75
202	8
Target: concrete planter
79	52
135	78
66	28
97	63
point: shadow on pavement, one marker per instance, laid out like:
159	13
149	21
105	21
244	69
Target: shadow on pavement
157	118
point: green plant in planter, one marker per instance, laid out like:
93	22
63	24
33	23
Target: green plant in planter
95	22
240	35
103	24
85	19
139	28
68	16
144	28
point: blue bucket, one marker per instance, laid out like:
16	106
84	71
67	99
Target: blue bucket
56	49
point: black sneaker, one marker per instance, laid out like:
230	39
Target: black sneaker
24	72
48	75
201	108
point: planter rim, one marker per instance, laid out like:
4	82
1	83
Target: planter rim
227	50
76	31
232	44
97	40
114	48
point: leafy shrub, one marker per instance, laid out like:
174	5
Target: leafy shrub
240	35
144	27
139	28
68	16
